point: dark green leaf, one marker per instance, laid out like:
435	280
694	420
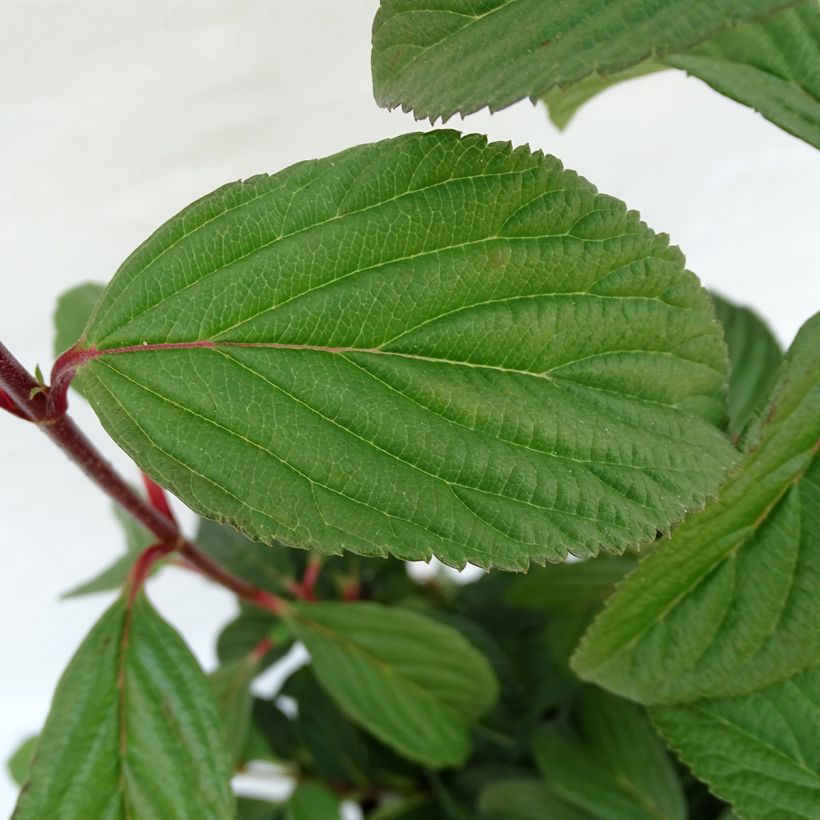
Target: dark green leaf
273	734
754	356
133	730
428	345
760	751
439	59
247	809
524	799
415	684
19	764
617	769
74	309
241	635
730	604
313	801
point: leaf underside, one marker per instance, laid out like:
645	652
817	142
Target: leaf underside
133	730
425	346
441	59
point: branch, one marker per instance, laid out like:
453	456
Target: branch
18	386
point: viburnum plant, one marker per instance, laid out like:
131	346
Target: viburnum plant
434	346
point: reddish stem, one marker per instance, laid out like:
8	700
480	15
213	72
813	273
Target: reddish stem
17	384
157	497
308	585
142	568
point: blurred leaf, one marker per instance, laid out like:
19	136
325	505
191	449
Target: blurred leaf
524	799
248	809
74	308
19	763
133	730
313	801
239	636
415	684
754	357
232	688
273	735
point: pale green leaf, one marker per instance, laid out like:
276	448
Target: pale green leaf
770	65
754	356
415	684
428	345
74	309
133	730
524	799
19	764
439	58
616	767
730	604
759	751
137	539
313	801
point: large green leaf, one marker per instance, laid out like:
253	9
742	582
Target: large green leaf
133	730
415	684
770	65
428	345
730	604
759	751
616	768
754	356
438	58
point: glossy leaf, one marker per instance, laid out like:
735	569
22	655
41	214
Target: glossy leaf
415	684
439	59
133	730
730	604
754	356
616	769
428	345
313	801
759	751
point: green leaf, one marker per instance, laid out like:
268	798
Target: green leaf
273	734
248	809
730	604
267	567
137	539
428	345
617	769
754	356
415	684
239	636
133	730
231	684
74	308
569	586
759	751
524	799
769	65
313	801
19	764
441	59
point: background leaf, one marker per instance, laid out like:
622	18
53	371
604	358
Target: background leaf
754	356
760	751
524	799
534	374
74	308
232	687
415	684
461	56
730	604
313	801
133	730
19	764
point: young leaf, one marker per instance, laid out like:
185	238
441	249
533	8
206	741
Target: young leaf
428	345
74	308
439	60
769	65
313	801
133	730
730	604
415	684
19	764
137	539
618	768
760	751
754	356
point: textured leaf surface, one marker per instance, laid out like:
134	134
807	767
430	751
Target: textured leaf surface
461	55
133	730
616	768
759	751
415	684
754	356
730	604
428	345
770	65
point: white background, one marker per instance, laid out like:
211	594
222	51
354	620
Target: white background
115	115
